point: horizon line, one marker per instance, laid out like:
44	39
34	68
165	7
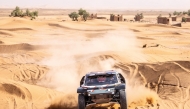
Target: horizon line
95	8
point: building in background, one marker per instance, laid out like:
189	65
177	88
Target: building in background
116	17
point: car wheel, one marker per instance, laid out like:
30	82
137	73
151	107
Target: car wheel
123	101
81	101
112	107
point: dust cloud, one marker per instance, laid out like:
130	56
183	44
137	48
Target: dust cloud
73	55
138	95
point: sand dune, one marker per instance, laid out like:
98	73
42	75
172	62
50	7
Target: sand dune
5	33
59	26
42	62
15	47
16	29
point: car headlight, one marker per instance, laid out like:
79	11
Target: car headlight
110	90
89	90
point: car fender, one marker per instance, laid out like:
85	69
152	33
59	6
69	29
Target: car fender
120	86
81	90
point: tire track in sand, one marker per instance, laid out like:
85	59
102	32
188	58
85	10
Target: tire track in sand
16	90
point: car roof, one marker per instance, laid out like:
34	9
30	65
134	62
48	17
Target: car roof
107	72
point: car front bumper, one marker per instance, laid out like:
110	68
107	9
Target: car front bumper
101	95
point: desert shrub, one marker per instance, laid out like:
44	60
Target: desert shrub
27	12
188	12
85	15
81	12
141	16
183	19
74	16
175	13
184	12
17	12
35	13
170	15
179	13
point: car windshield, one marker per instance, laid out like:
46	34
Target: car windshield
101	79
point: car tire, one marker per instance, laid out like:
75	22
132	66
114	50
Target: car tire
81	101
123	101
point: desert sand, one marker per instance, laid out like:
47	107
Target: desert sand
43	60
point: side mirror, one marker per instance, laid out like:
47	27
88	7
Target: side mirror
82	81
122	78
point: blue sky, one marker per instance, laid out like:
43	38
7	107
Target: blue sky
99	4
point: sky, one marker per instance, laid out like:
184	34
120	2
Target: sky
98	4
